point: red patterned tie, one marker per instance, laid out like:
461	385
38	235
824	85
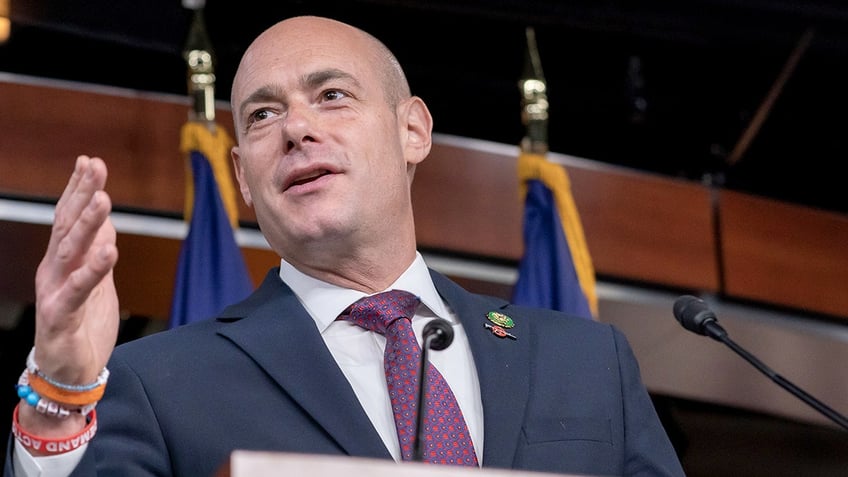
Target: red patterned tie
446	437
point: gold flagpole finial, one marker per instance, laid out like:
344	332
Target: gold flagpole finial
201	71
534	99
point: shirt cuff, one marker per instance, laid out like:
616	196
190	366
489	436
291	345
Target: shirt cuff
59	465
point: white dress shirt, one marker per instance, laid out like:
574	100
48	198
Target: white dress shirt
359	354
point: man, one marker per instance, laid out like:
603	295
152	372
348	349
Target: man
329	137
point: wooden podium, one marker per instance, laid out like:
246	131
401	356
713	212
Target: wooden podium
267	464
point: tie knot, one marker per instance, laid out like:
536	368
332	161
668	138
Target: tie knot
378	312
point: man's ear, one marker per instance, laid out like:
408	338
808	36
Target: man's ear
418	130
239	171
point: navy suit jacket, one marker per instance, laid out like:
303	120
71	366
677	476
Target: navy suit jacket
566	396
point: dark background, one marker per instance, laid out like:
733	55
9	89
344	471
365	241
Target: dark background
700	69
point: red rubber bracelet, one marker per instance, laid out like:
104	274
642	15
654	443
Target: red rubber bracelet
50	446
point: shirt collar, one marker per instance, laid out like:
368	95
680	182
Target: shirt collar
324	301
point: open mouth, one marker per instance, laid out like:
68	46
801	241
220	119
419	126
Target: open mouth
305	179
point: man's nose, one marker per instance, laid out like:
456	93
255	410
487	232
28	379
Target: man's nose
299	126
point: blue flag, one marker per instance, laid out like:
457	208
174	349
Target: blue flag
211	272
555	270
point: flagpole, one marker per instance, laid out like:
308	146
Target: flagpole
214	141
555	270
211	271
200	59
534	100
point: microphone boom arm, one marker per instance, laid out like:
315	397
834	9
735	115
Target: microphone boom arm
436	335
694	315
785	383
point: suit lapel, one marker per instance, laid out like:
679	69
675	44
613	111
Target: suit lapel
273	328
503	368
277	332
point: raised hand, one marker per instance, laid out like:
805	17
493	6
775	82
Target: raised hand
77	312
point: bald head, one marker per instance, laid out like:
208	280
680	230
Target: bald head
305	32
328	141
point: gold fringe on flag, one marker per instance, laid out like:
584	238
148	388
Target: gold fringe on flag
554	176
196	136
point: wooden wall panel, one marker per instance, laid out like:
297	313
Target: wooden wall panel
44	128
647	228
784	254
467	201
638	226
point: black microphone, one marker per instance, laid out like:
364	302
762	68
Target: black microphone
697	317
437	335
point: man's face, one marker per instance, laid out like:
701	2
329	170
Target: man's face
321	153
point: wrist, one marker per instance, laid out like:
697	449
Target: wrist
40	443
47	406
29	419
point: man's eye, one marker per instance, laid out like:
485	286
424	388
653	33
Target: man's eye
333	95
258	115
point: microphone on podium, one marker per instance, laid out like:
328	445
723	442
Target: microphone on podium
437	335
698	318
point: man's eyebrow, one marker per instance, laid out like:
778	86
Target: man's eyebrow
317	78
261	95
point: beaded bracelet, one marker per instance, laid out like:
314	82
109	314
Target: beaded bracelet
78	388
50	446
62	396
45	406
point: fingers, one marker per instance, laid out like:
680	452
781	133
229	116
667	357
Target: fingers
81	251
101	257
89	176
77	237
80	212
